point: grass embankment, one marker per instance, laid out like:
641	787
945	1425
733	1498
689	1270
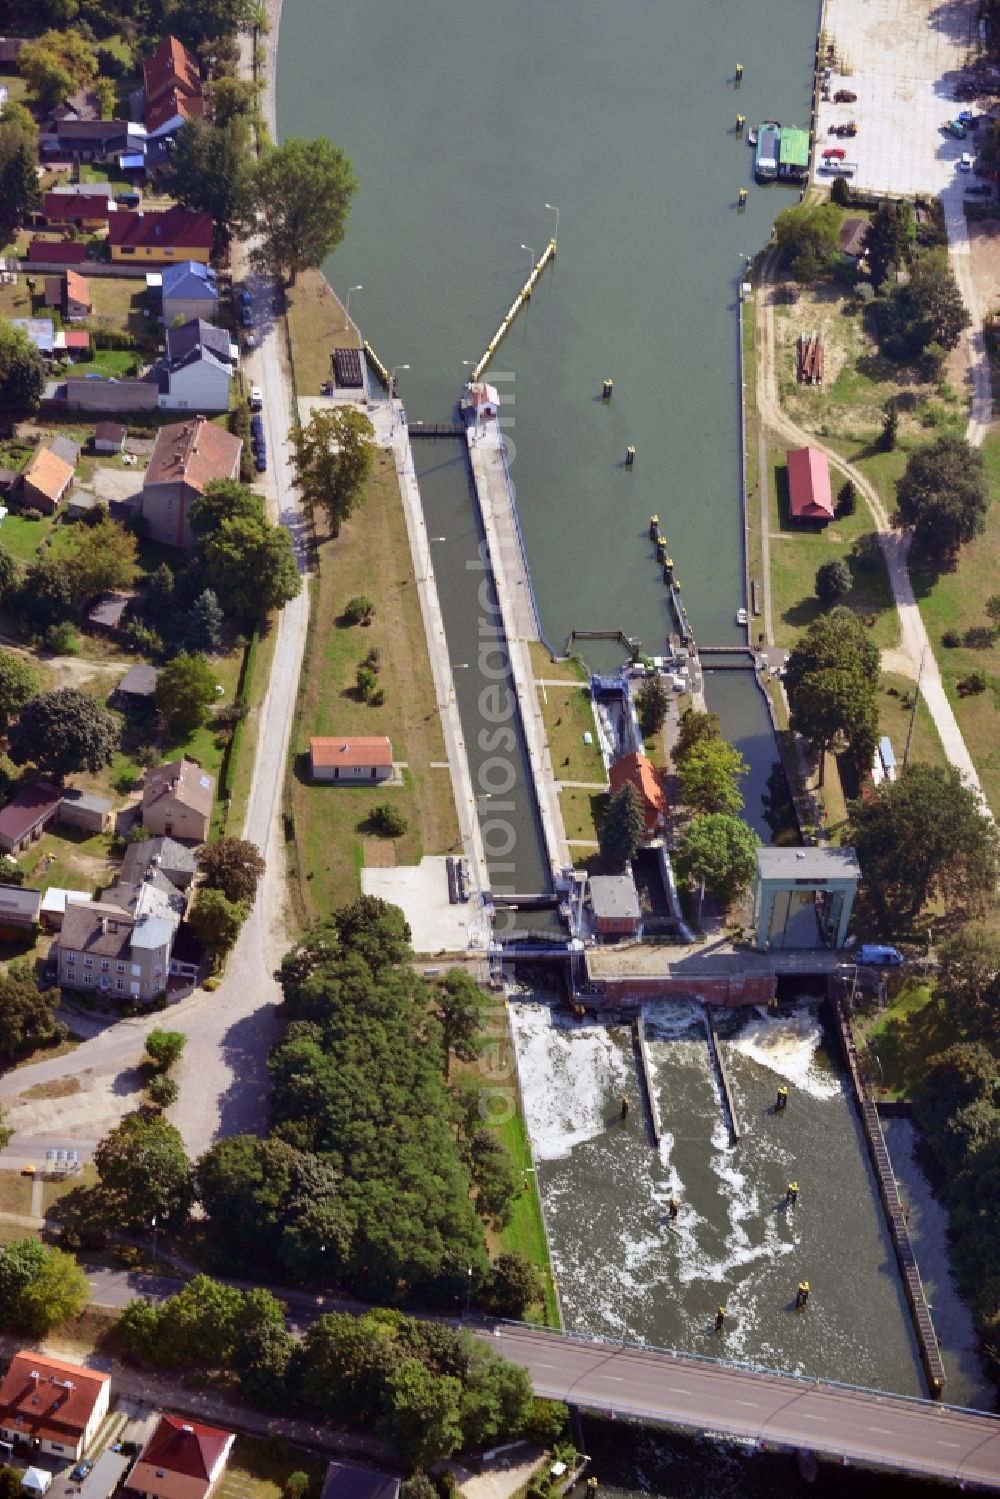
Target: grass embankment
568	715
260	1468
332	843
317	324
901	1038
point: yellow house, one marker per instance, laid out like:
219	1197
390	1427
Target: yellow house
177	234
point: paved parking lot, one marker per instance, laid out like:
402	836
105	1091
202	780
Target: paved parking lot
902	59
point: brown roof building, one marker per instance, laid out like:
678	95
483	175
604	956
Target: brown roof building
181	1460
81	210
53	1403
177	801
26	817
175	234
810	497
46	480
78	302
56	252
640	772
186	456
171	71
358	758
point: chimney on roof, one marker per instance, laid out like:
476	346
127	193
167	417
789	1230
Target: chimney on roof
104	926
187	1428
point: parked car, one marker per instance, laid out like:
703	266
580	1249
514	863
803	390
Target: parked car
834	153
256	432
245	297
965	165
81	1470
878	956
978	190
957	129
260	461
246	314
256	398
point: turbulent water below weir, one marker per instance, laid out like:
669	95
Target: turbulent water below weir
624	1271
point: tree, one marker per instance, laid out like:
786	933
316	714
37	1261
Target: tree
18	684
387	820
57	64
333	458
695	729
709	777
462	1008
890	425
262	1357
969	979
420	1414
943	495
720	850
887	240
164	1047
652	703
921	837
221	500
56	1294
808	237
184	689
64	731
210	170
41	599
106	557
359	610
251	567
957	1079
928	309
992	610
847	499
163	1091
831	680
26	1013
8	572
208	20
234	866
303	191
20	1262
206	624
22	370
217	920
497	1180
833	581
623	825
233	99
19	190
145	1174
513	1286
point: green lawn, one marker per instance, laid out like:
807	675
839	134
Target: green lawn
895	716
568	714
258	1469
582	812
23	538
117	362
899	1040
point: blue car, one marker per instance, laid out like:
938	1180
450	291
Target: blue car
257	432
260	462
878	956
246	315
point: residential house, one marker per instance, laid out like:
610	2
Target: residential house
54	903
170	858
175	234
45	481
177	801
86	140
10	47
27	815
109	437
83	104
104	948
172	89
181	1460
138	683
186	456
352	1481
76	299
86	211
18	910
852	238
153	896
810	497
73	342
107	616
66	448
82	809
52	1406
350	760
198	369
189	291
638	771
614	902
82	394
56	252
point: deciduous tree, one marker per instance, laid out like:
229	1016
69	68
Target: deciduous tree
18	684
887	240
333	458
303	192
927	309
251	567
184	689
652	703
210	170
709	777
64	731
164	1047
720	850
421	1415
216	919
695	729
623	825
106	556
41	599
145	1174
943	495
831	681
461	1007
221	500
56	64
513	1285
26	1013
22	370
833	581
57	1293
234	866
808	237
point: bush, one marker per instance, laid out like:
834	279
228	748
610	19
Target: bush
951	639
972	685
211	983
163	1090
840	192
847	497
979	637
61	639
366	681
387	820
30	513
359	610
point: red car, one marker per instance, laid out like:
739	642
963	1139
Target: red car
834	153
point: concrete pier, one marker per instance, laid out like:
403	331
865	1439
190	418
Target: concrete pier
723	1076
516	599
644	1072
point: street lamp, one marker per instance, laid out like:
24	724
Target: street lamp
468	1292
347	308
531	253
392	395
553	209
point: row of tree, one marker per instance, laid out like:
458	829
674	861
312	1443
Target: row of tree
717	852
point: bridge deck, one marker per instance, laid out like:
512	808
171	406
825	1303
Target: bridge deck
913	1436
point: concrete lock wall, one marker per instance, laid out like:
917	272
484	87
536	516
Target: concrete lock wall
729	992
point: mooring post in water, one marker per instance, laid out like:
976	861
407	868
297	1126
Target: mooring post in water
740	123
802	1296
792	1194
609	386
738	76
720	1318
624	1112
654	527
742	199
673	1208
781	1102
629	455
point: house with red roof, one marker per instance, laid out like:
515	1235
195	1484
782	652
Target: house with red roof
76	210
809	494
56	252
181	1460
176	234
639	771
50	1405
171	82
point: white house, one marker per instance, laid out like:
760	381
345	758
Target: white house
52	1406
198	368
355	760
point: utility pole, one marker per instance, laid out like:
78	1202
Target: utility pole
916	704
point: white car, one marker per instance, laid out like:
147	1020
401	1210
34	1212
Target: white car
965	165
256	398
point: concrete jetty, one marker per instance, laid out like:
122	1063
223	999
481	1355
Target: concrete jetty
524	295
516	598
654	1109
723	1077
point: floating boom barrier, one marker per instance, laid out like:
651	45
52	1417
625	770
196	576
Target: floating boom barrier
376	364
524	295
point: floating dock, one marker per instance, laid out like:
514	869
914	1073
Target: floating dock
376	364
524	295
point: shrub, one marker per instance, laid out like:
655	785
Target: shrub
30	513
61	639
163	1090
387	820
366	680
211	983
359	610
847	498
373	658
951	639
972	685
979	637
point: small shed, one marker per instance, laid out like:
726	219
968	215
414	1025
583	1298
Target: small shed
810	496
356	759
18	908
852	238
345	1480
82	809
25	818
35	1481
80	503
107	615
139	682
54	903
109	437
65	448
615	904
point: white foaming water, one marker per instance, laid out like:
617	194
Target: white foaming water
673	1019
787	1045
570	1074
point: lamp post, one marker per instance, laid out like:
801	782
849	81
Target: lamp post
468	1292
347	307
532	254
553	209
392	395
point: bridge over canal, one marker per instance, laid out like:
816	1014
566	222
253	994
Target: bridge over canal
919	1437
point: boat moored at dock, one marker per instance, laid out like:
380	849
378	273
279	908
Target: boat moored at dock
767	151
